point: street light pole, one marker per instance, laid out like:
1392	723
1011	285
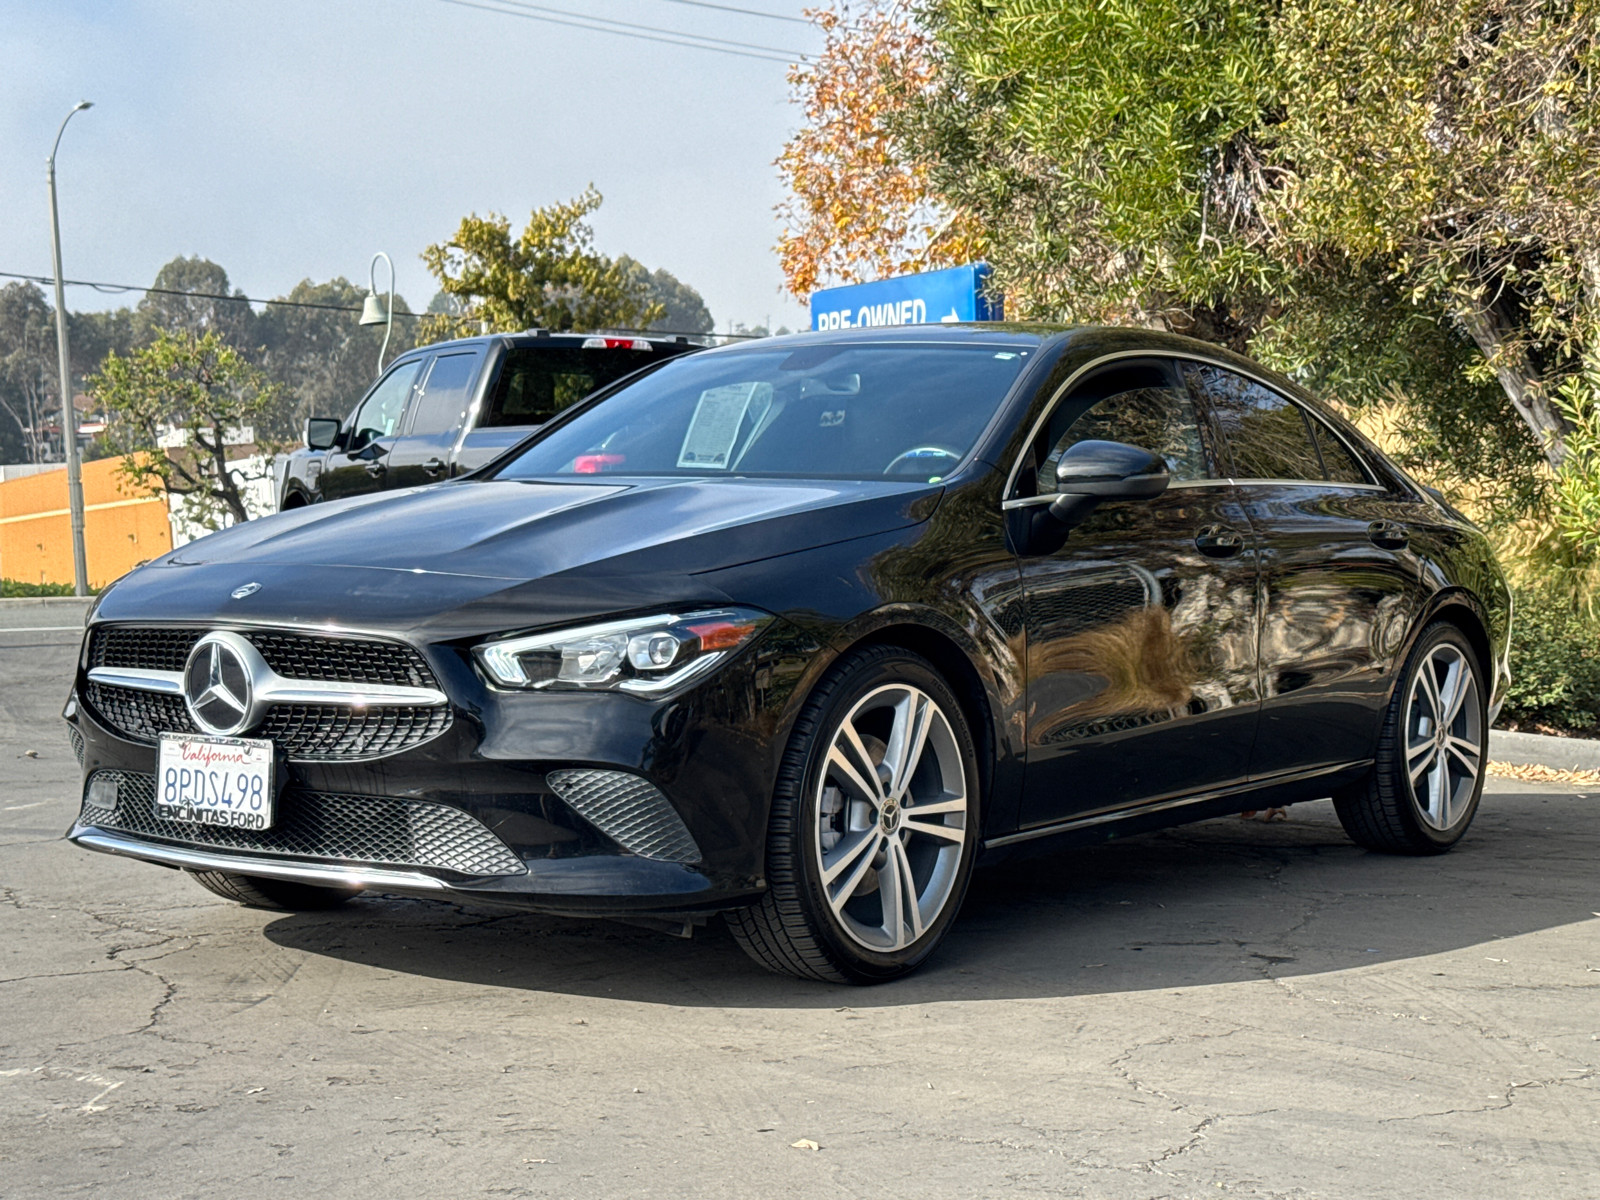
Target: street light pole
69	415
375	311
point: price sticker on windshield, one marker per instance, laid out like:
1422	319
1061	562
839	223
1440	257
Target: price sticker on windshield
215	781
714	428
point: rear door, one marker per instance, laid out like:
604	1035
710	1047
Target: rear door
369	434
1141	669
433	421
1340	585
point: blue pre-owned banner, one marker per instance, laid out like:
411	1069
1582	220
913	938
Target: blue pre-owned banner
956	294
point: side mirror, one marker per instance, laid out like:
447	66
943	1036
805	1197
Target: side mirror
322	433
1090	472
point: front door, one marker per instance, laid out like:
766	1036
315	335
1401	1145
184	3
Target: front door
1141	657
423	454
360	463
1340	583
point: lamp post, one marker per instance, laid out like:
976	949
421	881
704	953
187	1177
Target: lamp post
375	311
69	416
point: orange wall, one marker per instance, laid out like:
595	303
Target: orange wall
121	529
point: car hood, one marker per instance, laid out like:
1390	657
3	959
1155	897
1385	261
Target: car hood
525	552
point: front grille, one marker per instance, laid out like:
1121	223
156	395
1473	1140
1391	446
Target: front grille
341	660
333	731
307	732
143	716
146	649
77	743
364	830
629	810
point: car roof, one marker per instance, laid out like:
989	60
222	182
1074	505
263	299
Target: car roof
544	337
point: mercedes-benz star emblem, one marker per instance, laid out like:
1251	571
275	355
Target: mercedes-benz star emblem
249	589
217	687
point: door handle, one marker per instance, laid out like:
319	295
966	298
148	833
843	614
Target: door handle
433	468
1218	541
375	468
1389	535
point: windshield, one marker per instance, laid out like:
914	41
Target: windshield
835	411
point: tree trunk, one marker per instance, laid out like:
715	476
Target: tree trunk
1520	382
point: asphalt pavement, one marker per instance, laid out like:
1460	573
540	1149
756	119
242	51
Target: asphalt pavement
1231	1008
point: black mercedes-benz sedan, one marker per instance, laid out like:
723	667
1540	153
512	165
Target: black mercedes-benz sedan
795	632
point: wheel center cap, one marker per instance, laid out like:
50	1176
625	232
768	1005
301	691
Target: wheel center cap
891	816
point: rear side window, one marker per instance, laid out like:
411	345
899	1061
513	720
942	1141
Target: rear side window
1264	434
1342	466
442	401
537	382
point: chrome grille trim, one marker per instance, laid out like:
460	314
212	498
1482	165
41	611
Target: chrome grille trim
275	689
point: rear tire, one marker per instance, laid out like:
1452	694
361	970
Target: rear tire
280	895
873	829
1424	788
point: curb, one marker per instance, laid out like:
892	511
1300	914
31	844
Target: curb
1538	749
43	612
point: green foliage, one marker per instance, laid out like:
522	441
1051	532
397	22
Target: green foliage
1555	663
1576	502
16	589
549	277
324	359
1228	168
29	391
684	309
198	391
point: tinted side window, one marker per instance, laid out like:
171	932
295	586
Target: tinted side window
1342	466
536	383
1265	435
380	412
1144	408
442	401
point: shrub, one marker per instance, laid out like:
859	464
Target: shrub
13	588
1555	662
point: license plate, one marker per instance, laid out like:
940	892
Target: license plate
215	781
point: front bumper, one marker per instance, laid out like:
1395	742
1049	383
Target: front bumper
710	754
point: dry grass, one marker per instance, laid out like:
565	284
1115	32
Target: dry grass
1534	773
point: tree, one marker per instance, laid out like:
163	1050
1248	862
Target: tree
200	313
204	391
29	390
1211	164
684	308
859	207
323	358
550	277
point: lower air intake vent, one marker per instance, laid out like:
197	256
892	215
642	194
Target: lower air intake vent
372	830
629	811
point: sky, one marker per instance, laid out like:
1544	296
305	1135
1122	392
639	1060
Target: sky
292	139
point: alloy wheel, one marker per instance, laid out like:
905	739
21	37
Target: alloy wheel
1444	736
892	809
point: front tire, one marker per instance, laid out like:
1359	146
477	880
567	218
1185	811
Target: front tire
1424	788
874	825
280	895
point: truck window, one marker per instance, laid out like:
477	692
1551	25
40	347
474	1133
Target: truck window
443	397
380	412
538	382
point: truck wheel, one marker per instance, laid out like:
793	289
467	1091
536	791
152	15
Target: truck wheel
873	829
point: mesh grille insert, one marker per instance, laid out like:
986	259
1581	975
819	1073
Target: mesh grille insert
628	810
372	830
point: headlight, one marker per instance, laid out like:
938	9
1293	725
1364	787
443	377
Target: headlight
645	655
